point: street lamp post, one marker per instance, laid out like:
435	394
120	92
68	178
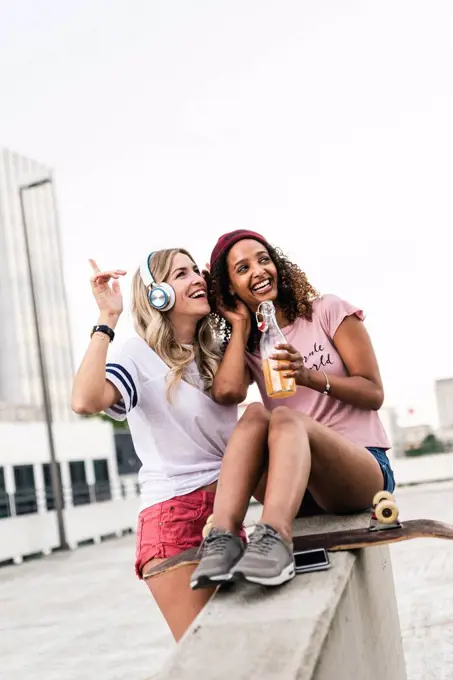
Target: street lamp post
54	473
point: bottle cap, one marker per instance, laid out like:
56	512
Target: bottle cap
264	314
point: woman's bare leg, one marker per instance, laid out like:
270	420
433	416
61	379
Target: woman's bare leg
178	603
243	464
341	476
287	475
262	461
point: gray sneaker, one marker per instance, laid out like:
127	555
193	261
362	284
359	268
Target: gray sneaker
268	559
219	553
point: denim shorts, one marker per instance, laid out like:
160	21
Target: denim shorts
384	464
310	507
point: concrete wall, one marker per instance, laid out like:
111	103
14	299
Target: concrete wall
364	638
338	624
31	534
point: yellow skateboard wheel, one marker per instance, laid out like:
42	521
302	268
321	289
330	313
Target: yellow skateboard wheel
382	496
387	512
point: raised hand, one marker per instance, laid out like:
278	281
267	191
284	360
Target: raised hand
239	315
108	297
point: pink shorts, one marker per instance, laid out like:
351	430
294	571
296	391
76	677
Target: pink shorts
168	528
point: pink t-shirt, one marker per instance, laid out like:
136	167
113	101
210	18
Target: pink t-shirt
314	340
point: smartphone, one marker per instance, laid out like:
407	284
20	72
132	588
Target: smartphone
311	560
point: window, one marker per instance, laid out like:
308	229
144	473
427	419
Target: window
126	458
50	501
102	480
25	496
80	488
5	509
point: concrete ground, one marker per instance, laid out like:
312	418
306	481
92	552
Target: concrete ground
85	615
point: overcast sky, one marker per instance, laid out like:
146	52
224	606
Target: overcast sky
325	125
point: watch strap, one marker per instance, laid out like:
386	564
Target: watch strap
101	328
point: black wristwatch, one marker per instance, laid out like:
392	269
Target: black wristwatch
103	329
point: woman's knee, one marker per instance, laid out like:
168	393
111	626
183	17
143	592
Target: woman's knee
283	417
255	414
285	420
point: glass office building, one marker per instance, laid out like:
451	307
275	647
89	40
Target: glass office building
20	384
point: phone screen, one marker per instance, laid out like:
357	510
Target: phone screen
311	560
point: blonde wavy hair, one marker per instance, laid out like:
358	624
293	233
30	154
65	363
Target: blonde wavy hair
157	331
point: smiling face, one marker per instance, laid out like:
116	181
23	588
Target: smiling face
190	289
253	276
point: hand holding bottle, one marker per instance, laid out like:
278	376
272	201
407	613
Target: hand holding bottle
290	363
278	386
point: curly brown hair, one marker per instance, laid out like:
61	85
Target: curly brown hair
295	295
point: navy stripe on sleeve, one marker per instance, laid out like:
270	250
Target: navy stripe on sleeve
122	380
128	376
118	409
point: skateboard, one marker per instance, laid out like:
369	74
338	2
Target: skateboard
311	550
385	528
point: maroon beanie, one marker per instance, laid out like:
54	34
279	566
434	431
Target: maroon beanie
228	240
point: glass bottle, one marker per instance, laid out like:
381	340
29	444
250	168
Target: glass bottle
277	386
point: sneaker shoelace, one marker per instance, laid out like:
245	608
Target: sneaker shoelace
261	541
215	544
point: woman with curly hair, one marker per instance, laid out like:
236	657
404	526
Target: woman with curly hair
326	447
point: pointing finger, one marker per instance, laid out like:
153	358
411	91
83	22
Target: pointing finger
93	265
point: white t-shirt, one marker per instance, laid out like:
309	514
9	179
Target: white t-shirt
180	444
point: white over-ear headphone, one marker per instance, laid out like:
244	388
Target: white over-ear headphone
161	296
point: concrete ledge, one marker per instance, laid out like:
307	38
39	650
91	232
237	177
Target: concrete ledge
341	623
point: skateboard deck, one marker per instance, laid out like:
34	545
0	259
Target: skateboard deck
384	528
349	539
353	539
184	559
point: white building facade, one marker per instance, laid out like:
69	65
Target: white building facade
97	502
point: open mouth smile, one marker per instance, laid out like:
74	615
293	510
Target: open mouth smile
263	287
198	294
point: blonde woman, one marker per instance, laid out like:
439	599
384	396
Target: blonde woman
160	380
